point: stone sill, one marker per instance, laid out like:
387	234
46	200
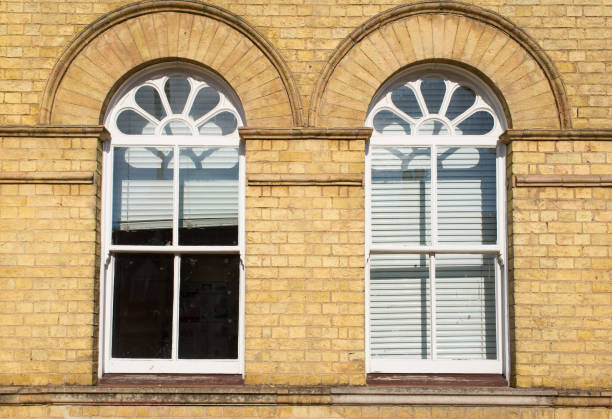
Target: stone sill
280	395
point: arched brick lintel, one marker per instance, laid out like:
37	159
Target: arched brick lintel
120	42
522	72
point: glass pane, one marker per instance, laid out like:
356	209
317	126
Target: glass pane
479	123
461	100
433	91
176	128
399	306
386	122
177	91
404	98
467	211
142	195
465	307
401	180
221	124
433	127
208	213
142	306
148	99
205	101
208	319
131	123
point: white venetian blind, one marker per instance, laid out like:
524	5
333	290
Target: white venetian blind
466	195
209	186
399	306
465	307
143	187
401	180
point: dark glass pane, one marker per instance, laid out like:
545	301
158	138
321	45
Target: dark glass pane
148	99
208	200
177	91
433	91
208	319
142	195
386	122
131	123
460	102
478	123
142	306
205	101
404	98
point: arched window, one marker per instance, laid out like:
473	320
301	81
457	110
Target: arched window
173	230
436	226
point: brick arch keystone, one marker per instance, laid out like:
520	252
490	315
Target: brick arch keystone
120	42
451	32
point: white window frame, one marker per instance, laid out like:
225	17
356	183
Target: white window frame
108	364
381	101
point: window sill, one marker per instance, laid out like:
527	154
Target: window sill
437	380
170	380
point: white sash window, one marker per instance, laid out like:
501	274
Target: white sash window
173	229
436	231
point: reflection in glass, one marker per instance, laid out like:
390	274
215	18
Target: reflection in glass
130	122
176	127
142	306
208	212
433	127
142	195
205	101
461	100
401	182
386	122
404	98
208	318
177	91
433	91
148	99
467	208
221	124
465	307
478	123
400	306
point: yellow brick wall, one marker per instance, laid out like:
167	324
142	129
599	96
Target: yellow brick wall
424	412
48	259
304	265
561	263
33	34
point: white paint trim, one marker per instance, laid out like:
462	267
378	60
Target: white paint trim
178	366
439	366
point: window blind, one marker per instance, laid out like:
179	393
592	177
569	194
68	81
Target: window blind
400	200
143	187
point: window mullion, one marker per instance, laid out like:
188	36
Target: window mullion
176	305
432	305
177	257
434	195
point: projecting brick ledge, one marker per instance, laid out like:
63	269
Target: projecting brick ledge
60	131
305	133
556	135
322	396
562	180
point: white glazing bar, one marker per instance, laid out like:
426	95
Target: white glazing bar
432	305
368	245
175	305
175	249
434	195
468	249
175	196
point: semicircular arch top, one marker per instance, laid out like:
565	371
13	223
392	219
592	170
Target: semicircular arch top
124	41
449	32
